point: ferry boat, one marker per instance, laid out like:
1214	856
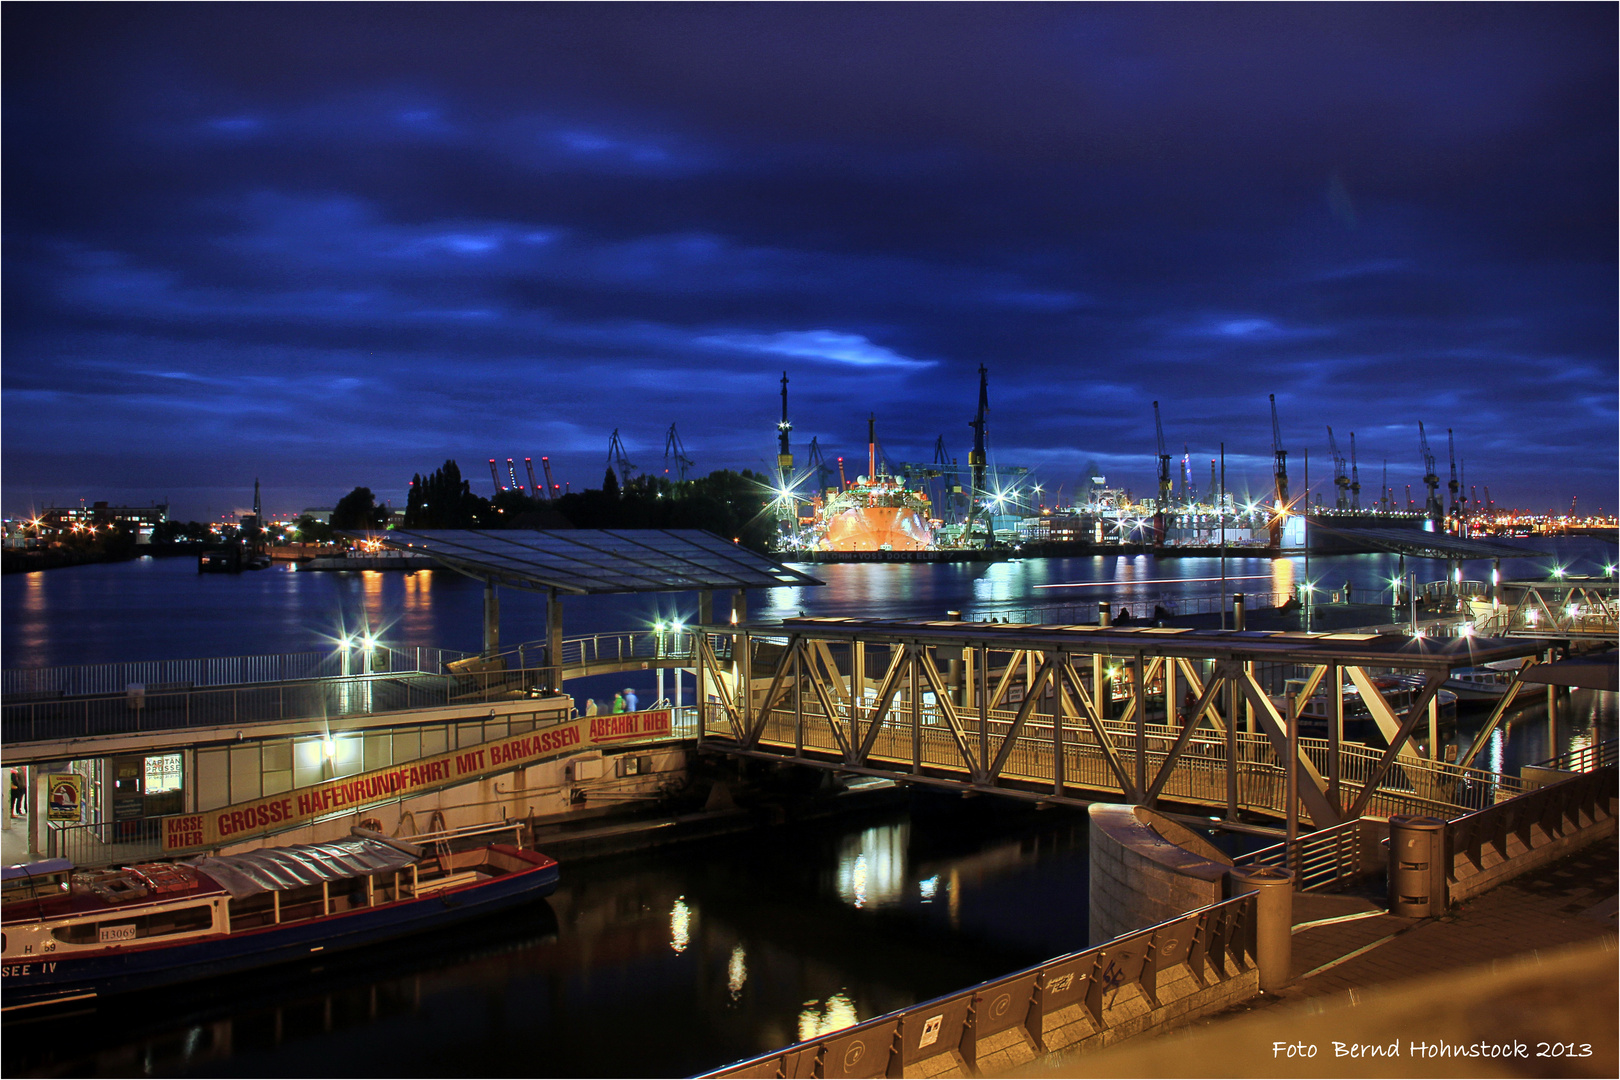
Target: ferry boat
74	936
1400	691
1479	685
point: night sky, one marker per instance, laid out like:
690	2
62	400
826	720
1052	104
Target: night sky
327	246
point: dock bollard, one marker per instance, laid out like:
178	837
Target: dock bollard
1417	866
1274	919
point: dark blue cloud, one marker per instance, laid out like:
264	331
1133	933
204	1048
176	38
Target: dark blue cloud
334	245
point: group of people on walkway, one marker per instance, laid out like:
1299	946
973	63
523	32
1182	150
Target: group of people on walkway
622	703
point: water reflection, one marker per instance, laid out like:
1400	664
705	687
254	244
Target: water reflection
737	972
680	926
819	1019
872	866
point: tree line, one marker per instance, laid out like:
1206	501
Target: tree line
727	502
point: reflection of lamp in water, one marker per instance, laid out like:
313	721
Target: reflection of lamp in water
680	922
839	1013
871	867
737	972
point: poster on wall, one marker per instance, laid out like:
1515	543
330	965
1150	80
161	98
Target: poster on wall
63	793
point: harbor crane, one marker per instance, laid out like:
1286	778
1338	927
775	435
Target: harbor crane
976	462
784	453
495	475
1164	481
1355	477
1341	482
1453	509
1431	480
1280	459
534	486
787	509
618	458
511	472
551	485
675	451
816	465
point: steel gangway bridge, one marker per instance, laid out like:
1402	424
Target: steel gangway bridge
1193	719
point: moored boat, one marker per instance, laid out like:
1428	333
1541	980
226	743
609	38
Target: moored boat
74	936
1398	691
1479	685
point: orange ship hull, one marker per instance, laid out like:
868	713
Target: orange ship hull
879	528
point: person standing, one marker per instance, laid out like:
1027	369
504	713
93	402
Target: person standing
629	699
590	706
17	792
618	703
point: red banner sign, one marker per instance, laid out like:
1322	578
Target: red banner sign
243	819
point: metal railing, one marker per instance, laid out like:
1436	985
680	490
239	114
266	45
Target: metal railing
1109	982
1411	786
1325	859
91	679
1583	759
124	713
1143	608
1479	844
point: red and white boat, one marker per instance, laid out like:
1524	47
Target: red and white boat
75	935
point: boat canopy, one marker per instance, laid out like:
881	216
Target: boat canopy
275	869
18	871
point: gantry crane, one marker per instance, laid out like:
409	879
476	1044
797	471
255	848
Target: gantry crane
619	459
1355	477
1280	467
534	485
511	472
817	467
976	462
551	485
1431	480
495	475
675	452
1164	481
1341	482
1453	509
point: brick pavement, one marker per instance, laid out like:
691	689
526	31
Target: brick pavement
1559	904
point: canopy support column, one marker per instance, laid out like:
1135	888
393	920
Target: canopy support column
554	640
492	618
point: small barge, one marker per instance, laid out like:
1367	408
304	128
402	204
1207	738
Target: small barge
73	936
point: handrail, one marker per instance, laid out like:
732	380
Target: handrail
1219	938
1583	759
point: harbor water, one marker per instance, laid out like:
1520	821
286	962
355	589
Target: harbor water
676	960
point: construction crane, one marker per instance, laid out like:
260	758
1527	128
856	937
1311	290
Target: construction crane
551	485
1280	467
976	462
1341	482
945	466
1431	480
495	475
618	458
675	452
534	486
1355	477
1164	481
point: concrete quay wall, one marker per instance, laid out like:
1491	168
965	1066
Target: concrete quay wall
1147	869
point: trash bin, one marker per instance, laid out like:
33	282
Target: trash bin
1417	866
1274	919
